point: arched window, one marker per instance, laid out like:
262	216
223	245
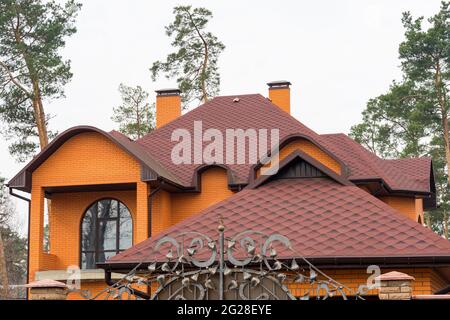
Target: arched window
106	229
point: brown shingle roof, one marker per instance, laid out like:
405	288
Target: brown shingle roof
411	174
253	111
256	112
323	219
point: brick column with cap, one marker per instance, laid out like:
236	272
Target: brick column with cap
47	290
280	94
168	106
395	286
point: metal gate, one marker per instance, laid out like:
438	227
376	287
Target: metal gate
251	265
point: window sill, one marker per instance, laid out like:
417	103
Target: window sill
85	275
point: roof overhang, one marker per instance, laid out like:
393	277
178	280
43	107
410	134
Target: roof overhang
151	170
379	187
338	262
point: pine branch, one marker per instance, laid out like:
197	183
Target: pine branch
15	81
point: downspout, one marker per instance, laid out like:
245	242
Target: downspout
28	232
149	209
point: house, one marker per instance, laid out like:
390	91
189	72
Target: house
343	207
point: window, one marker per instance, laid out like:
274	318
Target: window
106	229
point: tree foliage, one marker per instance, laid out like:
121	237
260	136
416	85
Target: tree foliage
135	116
32	70
13	249
411	119
194	64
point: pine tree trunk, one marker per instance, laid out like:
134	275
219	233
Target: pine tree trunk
38	108
205	59
3	271
446	142
442	101
39	116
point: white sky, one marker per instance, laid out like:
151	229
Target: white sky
337	54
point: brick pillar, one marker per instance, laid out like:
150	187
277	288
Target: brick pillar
36	230
141	223
47	290
395	286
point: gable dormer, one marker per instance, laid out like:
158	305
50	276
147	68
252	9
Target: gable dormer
298	165
299	168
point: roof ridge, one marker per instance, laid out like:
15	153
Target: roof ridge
334	134
410	158
365	154
196	109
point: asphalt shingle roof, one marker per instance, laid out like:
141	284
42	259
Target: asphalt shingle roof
321	217
257	112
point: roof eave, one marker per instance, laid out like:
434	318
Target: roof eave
22	180
338	262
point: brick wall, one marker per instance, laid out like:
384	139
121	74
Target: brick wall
281	98
169	209
65	221
214	188
312	150
161	212
408	206
168	108
85	159
426	281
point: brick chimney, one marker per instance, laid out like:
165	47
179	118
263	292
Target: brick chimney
168	106
280	94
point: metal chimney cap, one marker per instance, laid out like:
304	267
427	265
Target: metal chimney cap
279	84
168	92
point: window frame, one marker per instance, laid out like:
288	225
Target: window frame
97	222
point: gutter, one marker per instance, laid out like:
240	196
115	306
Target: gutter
28	231
323	263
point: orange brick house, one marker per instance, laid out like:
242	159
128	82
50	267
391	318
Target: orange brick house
343	207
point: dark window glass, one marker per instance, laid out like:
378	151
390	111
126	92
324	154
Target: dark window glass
107	235
88	231
106	229
107	209
126	228
87	260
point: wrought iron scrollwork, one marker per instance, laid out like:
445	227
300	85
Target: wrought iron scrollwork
192	265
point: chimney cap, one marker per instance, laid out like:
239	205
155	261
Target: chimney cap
168	92
279	84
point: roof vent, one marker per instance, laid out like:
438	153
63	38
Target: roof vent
236	100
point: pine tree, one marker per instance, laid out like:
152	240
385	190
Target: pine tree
194	64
